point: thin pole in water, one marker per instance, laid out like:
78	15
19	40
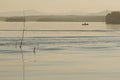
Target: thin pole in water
34	50
21	43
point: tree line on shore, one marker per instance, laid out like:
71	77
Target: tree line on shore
57	18
111	18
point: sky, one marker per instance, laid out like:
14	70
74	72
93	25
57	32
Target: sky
59	5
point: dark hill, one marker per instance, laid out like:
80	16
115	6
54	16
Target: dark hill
58	18
113	18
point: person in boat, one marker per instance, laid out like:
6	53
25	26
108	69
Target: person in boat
85	24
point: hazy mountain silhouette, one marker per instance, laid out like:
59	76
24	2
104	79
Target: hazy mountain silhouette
20	13
34	12
73	16
103	13
82	13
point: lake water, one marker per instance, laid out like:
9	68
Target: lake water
63	51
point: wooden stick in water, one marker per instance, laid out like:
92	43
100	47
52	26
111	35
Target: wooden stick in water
21	43
34	50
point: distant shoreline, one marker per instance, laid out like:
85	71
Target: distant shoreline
55	18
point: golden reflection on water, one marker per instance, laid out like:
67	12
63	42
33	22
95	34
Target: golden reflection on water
49	66
81	64
57	26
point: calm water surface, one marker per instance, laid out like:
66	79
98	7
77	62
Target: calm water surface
63	51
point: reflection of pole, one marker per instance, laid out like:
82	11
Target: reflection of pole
21	43
23	65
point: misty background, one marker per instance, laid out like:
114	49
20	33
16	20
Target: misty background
57	10
59	6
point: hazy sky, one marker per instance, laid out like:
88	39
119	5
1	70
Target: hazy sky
59	5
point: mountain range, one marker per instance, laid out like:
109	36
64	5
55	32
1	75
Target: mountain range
35	13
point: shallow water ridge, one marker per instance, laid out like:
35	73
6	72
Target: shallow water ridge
60	51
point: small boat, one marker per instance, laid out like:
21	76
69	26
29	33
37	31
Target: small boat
85	24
